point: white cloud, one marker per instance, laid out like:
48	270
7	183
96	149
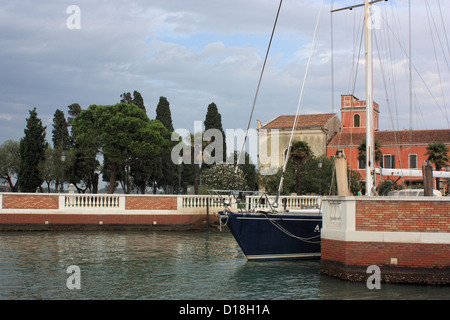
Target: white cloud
194	53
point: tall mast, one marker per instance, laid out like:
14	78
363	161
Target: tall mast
370	150
370	143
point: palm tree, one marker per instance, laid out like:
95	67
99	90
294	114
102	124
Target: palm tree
437	153
300	153
362	151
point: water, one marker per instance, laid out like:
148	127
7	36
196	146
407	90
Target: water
169	266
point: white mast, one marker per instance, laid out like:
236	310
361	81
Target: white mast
370	150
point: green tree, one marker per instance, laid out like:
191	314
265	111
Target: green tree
272	182
83	170
312	176
168	172
122	133
137	99
437	153
9	163
60	131
249	170
185	169
213	120
300	153
163	113
196	143
74	111
362	151
32	152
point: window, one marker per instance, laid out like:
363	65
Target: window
413	161
361	164
356	121
388	161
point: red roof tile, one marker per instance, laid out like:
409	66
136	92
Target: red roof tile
303	121
387	138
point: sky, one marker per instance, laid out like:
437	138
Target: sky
195	52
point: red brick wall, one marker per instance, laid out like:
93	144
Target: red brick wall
416	263
407	216
410	255
121	219
151	203
24	201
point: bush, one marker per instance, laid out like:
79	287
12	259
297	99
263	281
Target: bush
220	176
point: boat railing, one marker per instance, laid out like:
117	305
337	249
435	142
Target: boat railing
254	201
285	202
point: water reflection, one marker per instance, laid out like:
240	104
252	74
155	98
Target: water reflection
167	265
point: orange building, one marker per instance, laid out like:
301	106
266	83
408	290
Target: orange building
401	149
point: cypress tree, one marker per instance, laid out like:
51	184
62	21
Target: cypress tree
163	113
74	111
137	99
32	152
213	120
168	171
60	131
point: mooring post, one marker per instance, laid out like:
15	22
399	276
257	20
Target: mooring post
207	214
427	171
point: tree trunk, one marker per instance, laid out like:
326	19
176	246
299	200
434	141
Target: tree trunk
196	177
112	178
95	184
299	185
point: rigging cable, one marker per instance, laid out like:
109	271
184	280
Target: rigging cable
435	55
383	76
280	187
256	95
420	76
287	232
443	25
332	58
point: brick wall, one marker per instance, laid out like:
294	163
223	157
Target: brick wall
24	201
410	255
96	219
151	203
406	216
416	263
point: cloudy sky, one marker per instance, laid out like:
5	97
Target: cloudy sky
195	52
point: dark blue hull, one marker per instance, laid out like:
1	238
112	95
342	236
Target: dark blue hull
276	235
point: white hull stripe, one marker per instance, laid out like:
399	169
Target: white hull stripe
283	256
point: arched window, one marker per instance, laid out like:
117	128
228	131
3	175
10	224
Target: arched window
356	121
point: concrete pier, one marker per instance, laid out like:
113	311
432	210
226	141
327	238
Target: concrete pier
73	211
407	238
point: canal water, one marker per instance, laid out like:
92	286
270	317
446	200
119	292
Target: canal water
168	266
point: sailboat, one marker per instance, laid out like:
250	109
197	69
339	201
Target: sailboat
273	233
281	234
